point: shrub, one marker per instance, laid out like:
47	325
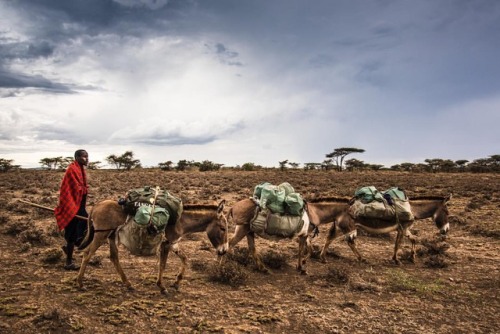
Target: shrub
274	260
227	272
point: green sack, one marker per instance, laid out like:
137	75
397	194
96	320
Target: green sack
273	197
396	193
294	204
160	217
258	189
287	188
138	197
368	194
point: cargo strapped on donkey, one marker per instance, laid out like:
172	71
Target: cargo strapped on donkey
152	209
387	205
279	212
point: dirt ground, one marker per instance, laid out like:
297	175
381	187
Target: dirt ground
453	287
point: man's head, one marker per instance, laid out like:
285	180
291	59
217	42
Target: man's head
82	157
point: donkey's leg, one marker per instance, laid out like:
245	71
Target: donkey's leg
332	233
239	233
113	255
304	253
164	250
182	256
397	244
253	252
98	240
413	240
351	242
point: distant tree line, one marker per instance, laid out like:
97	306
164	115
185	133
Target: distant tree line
336	160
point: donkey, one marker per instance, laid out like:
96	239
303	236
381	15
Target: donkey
434	207
108	215
244	211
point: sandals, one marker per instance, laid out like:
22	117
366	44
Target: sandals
71	266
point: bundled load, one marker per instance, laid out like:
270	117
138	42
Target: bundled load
152	209
392	204
280	211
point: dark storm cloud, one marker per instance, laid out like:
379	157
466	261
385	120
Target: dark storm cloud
18	80
68	21
225	55
176	140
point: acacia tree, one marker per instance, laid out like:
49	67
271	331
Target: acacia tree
51	163
94	165
6	165
312	165
167	165
182	165
339	154
124	161
283	164
354	164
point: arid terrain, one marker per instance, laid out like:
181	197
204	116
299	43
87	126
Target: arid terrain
453	287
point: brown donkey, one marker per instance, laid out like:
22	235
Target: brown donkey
242	214
108	215
434	207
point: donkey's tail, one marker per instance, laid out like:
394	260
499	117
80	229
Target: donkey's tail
89	236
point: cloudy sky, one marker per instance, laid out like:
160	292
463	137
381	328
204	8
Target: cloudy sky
250	80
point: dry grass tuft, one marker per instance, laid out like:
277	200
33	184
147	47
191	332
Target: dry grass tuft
433	247
51	255
337	275
240	255
14	228
436	261
274	259
227	272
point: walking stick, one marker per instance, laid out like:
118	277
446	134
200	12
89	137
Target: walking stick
46	208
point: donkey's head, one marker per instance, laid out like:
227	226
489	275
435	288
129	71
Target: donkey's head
217	230
440	217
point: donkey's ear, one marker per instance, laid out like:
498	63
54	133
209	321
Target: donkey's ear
447	198
220	208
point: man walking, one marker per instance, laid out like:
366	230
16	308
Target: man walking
72	202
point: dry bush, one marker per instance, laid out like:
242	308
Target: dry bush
436	251
274	259
199	265
337	275
14	228
239	255
4	219
33	235
227	272
436	261
51	255
433	247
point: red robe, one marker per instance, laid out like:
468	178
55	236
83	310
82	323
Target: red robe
73	187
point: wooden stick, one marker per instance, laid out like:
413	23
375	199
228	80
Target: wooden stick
47	208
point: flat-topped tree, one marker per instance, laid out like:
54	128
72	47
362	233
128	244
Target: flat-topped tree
339	154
